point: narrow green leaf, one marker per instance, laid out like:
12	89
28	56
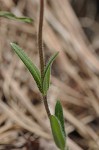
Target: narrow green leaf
31	67
57	132
46	80
59	115
10	15
25	19
50	62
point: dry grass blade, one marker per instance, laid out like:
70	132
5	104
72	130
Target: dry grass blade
16	118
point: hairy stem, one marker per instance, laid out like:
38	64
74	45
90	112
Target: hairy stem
40	38
41	51
46	106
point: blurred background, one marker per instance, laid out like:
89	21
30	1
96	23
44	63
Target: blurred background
72	28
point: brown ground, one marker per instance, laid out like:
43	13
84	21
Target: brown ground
75	75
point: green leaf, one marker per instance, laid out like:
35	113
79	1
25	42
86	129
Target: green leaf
47	72
57	132
31	67
59	115
46	81
12	16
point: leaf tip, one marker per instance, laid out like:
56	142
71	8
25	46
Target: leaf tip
58	102
57	53
11	43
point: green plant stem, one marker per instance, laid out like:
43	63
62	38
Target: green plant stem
40	38
41	51
46	105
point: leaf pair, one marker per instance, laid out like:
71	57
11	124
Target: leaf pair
57	126
42	85
12	16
